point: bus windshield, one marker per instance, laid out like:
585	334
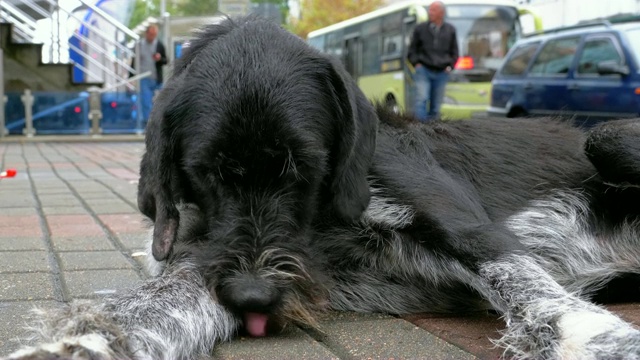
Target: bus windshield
485	34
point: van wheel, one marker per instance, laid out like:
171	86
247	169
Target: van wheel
392	105
517	113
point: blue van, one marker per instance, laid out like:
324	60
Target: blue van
588	72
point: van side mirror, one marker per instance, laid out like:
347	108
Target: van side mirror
612	68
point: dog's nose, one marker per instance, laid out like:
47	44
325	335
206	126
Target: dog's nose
250	294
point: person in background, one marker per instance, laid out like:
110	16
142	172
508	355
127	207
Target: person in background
433	52
152	57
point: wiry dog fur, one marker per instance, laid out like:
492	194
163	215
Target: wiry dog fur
277	191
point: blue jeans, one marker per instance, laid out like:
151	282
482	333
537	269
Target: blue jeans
148	87
429	91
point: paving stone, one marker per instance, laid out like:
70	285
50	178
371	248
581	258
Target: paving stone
16	201
18	211
87	186
81	243
125	223
7	221
15	243
92	283
73	225
26	286
65	210
471	332
52	190
50	200
22	231
294	344
116	208
52	186
24	261
96	195
93	260
387	339
134	242
14	317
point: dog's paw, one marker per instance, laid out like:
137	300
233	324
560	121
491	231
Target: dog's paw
591	335
85	347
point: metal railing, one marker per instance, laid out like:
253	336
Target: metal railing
105	56
106	52
24	25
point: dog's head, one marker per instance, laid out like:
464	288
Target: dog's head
264	135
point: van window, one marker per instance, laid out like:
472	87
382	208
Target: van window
556	57
519	59
597	50
633	36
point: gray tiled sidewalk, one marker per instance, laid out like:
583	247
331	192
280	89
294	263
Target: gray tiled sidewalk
69	226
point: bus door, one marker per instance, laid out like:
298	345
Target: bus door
353	54
408	25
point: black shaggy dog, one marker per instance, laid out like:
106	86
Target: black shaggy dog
278	191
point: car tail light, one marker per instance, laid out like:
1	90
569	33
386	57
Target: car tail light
464	63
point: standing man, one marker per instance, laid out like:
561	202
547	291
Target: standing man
152	58
433	52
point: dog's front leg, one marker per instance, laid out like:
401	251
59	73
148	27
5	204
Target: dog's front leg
546	322
172	316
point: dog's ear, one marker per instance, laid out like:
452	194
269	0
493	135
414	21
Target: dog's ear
354	144
158	174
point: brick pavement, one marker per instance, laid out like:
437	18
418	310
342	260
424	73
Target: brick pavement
69	226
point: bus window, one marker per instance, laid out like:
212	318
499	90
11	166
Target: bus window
371	46
392	45
334	44
317	42
392	22
485	34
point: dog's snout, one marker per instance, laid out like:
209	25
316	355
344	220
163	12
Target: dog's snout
250	294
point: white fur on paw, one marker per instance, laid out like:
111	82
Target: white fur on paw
578	328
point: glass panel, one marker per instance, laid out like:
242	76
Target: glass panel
53	113
119	113
317	42
633	36
596	51
14	113
68	113
520	59
556	57
61	113
485	34
370	55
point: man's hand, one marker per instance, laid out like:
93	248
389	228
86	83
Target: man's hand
157	56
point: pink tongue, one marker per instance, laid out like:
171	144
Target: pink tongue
256	324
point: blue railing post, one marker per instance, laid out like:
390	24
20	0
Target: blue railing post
95	110
3	101
27	100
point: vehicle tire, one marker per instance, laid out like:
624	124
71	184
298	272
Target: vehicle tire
391	104
517	113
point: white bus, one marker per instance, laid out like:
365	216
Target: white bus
373	48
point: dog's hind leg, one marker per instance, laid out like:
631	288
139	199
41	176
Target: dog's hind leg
614	149
168	317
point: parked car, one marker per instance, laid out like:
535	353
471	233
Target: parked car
588	72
